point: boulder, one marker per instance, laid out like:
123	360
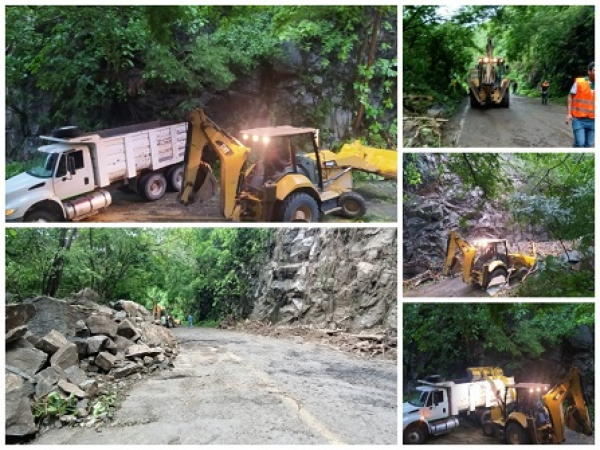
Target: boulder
47	380
127	330
18	315
90	387
105	361
126	370
51	342
66	356
16	333
111	346
141	350
54	314
96	344
29	360
156	335
70	388
99	324
132	309
19	419
75	375
82	346
122	343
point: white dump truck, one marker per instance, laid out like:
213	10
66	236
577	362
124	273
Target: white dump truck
71	178
438	403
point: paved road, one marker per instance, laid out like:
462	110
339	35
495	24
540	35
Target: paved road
526	123
235	388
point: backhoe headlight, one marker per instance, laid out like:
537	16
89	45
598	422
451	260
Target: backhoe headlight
245	136
255	138
10	211
266	140
486	60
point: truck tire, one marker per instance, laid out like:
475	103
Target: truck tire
505	100
474	101
489	428
414	434
42	216
515	434
353	205
500	271
153	186
300	207
175	178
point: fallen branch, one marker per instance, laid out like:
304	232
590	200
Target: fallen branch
425	118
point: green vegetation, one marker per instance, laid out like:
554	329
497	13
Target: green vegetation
54	405
208	272
440	45
454	335
101	66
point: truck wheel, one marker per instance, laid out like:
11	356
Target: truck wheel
414	434
175	178
353	205
495	273
153	186
505	100
489	428
474	102
515	434
42	216
300	207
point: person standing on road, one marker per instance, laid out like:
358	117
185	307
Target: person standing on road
515	85
545	91
190	319
581	109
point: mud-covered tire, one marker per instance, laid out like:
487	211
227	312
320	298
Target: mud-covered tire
299	207
489	428
505	103
495	273
353	205
153	186
515	434
41	215
414	434
175	178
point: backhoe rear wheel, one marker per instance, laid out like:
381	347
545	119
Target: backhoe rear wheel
505	102
474	101
515	434
489	428
300	207
353	205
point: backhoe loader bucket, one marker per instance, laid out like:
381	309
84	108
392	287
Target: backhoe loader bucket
369	159
203	188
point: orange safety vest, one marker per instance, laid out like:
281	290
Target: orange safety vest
584	100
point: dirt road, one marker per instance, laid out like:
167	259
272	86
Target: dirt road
448	287
234	388
526	123
381	198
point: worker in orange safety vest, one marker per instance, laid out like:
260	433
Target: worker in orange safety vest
581	109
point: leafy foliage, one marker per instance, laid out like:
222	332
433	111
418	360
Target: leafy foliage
54	405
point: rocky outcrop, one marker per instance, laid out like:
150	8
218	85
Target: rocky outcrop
74	348
331	278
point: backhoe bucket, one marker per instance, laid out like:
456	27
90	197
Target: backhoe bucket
369	159
203	188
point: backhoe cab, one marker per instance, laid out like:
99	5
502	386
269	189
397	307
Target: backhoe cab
536	415
488	262
284	176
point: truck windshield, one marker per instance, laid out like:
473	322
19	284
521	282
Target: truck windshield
42	164
419	398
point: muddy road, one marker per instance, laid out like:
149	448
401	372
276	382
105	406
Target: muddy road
468	433
526	123
448	287
234	388
381	198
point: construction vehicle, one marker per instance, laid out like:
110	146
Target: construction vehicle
488	84
488	261
536	414
72	177
284	177
158	313
439	403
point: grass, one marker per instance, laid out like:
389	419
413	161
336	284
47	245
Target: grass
212	323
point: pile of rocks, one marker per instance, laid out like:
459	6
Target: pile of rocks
76	348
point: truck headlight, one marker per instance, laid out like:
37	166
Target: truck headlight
486	60
10	211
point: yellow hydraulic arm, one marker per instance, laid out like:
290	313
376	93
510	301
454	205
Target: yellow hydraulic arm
468	251
369	159
199	182
578	417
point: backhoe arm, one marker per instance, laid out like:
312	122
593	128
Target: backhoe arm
578	416
199	182
468	251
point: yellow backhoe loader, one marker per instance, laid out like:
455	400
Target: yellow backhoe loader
488	84
285	176
486	261
536	415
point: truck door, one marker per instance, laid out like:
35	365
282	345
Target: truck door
74	174
437	405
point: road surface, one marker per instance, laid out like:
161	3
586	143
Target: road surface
233	388
381	199
526	123
447	287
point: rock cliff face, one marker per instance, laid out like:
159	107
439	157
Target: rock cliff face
331	278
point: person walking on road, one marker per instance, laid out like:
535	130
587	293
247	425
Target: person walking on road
515	85
545	91
190	319
581	109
